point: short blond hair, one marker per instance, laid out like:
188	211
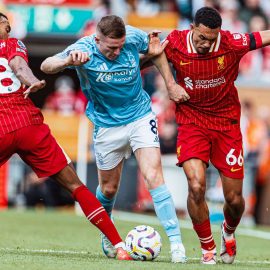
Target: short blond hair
112	26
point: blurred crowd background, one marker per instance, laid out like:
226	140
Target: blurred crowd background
48	26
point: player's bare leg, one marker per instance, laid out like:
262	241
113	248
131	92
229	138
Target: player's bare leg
109	181
150	165
92	208
195	170
233	210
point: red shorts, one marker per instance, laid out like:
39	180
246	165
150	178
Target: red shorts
37	147
223	148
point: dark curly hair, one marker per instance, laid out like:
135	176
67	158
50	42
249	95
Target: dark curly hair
209	17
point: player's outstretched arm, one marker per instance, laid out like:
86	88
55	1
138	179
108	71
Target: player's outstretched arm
175	91
55	64
265	35
23	72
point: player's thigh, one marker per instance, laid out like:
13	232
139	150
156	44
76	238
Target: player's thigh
111	146
195	170
148	157
144	142
39	149
227	153
193	142
149	161
7	146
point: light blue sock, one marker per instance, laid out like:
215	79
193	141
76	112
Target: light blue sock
165	211
106	202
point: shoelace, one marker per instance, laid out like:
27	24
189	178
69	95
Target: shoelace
208	257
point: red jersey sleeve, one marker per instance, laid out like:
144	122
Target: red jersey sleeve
169	48
16	48
243	43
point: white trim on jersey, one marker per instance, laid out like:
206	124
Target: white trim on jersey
65	154
191	48
215	45
188	47
218	42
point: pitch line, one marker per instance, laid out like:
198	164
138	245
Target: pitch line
74	252
152	220
44	251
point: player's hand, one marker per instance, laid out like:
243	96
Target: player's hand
155	47
77	58
34	88
178	94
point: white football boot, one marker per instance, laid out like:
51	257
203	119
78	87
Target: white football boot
108	249
178	253
209	258
227	247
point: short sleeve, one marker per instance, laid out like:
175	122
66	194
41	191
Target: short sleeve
16	48
243	43
169	48
137	37
80	45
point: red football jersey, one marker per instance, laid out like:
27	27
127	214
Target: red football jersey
209	79
15	111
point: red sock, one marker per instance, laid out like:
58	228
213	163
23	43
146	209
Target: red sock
230	224
204	233
96	214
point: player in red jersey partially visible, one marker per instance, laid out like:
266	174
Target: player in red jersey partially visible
22	131
206	61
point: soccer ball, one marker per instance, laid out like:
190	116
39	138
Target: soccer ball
143	243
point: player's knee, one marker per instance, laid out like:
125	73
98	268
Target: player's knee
197	192
109	190
153	178
68	178
234	199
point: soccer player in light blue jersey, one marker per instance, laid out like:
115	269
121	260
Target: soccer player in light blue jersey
108	66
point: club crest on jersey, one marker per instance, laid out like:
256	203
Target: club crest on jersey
21	45
131	59
221	62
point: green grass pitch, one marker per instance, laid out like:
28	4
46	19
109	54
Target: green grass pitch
43	240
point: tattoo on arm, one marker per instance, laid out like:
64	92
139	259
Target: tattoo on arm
22	71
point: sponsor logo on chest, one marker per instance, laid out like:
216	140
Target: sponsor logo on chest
116	76
204	84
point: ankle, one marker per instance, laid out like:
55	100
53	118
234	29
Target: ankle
204	251
175	240
227	235
120	245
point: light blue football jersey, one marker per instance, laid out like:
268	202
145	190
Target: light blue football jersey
113	87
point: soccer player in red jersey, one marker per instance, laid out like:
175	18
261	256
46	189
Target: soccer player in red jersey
206	61
22	131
